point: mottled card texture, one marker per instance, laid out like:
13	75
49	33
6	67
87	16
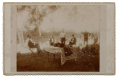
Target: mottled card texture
59	38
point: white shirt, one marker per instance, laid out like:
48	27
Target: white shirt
51	39
62	34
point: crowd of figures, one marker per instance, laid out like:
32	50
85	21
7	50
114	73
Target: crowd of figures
90	48
73	40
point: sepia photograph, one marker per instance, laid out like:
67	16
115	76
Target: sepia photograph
59	38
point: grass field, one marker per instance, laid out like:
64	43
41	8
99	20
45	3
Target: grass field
39	62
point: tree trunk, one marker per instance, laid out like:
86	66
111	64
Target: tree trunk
39	32
21	37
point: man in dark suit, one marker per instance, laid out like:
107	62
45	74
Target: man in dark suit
73	41
86	34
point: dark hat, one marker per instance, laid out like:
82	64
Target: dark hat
28	36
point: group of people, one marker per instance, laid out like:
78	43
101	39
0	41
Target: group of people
52	42
73	39
86	36
62	40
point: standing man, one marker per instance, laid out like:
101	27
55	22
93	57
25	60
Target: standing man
95	39
86	34
63	37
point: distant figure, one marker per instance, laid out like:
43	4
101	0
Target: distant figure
95	39
63	37
86	37
73	41
52	41
92	35
32	44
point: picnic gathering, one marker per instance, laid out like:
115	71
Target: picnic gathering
82	48
66	48
58	38
62	42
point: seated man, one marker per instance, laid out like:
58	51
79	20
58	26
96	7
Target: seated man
32	44
51	41
73	41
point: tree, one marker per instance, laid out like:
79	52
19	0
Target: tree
34	18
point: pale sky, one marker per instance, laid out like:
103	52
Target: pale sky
73	18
